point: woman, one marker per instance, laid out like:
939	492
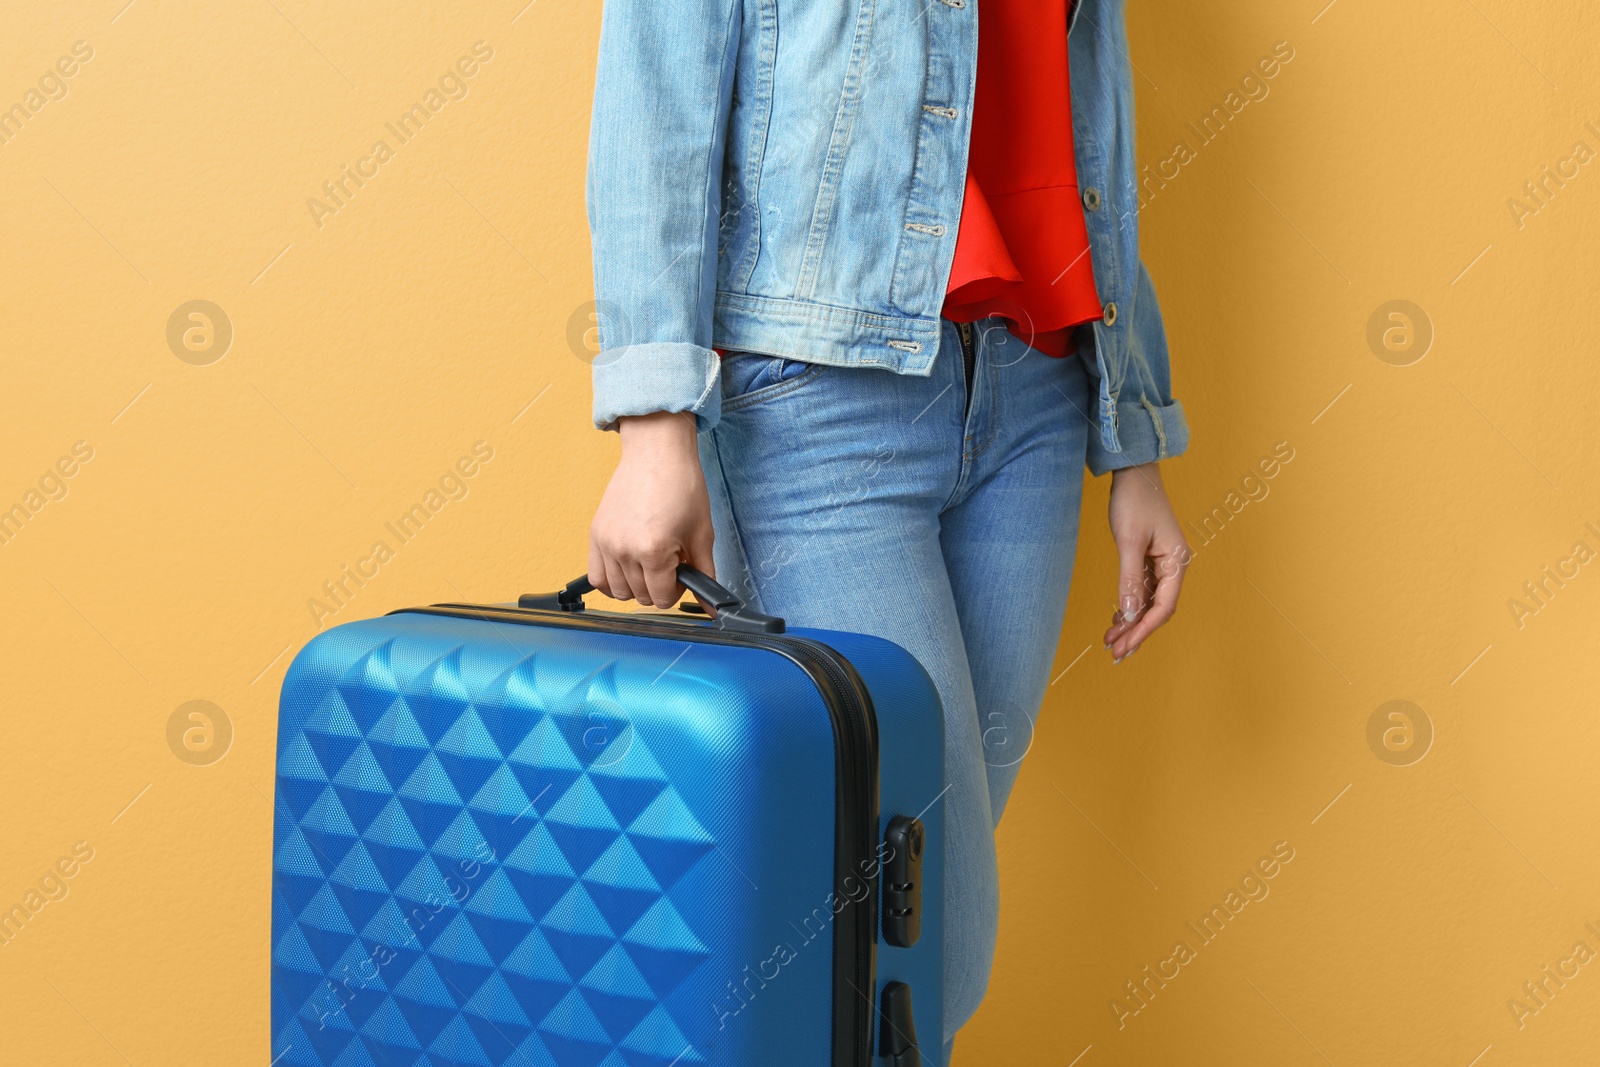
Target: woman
869	301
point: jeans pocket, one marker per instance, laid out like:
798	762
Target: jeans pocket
751	377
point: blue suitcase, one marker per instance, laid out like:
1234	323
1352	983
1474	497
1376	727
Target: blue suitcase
546	835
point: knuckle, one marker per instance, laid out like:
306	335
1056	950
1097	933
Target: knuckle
654	551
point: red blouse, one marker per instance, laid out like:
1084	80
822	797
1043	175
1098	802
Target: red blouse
1022	250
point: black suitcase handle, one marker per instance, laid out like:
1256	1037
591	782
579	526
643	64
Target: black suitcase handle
731	613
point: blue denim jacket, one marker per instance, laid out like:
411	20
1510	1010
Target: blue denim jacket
798	194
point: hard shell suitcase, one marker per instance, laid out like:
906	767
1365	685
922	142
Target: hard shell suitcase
547	835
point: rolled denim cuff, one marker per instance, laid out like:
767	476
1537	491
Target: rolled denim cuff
668	376
1144	433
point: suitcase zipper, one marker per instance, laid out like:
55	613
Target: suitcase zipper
856	774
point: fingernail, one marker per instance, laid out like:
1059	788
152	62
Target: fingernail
1130	609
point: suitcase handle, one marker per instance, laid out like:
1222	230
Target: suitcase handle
730	613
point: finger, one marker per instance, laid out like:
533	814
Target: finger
1133	588
1169	583
1118	627
1119	623
661	579
597	567
1132	594
616	580
699	553
633	570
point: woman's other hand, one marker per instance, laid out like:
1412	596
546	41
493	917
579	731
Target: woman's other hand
1153	557
655	513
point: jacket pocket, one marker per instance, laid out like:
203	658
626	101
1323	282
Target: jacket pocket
751	377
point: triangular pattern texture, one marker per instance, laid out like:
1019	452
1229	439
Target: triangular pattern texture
368	687
472	867
657	1040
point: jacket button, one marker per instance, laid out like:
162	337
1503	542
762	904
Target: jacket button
1091	199
1109	317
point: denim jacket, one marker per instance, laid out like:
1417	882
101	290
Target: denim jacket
797	192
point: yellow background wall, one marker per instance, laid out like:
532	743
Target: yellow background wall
436	309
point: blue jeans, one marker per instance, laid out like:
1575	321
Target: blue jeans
852	498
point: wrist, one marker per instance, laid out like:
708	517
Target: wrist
1150	472
659	431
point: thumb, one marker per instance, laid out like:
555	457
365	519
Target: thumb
698	552
1132	595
